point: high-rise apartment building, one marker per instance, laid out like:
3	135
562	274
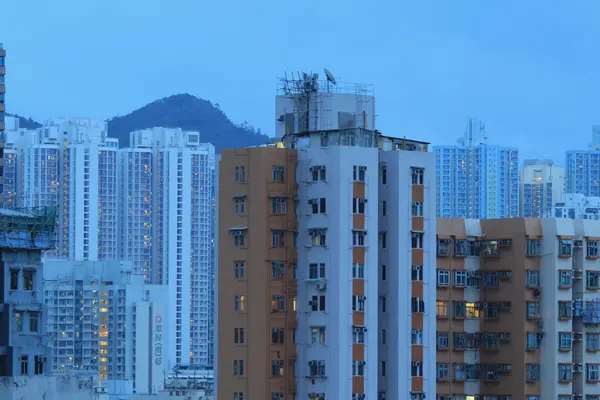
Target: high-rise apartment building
517	309
582	168
167	179
73	163
542	185
103	317
16	140
582	172
332	218
475	179
313	233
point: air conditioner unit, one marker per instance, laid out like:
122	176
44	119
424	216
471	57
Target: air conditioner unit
577	336
320	285
578	243
577	367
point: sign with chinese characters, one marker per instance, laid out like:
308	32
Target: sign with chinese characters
158	340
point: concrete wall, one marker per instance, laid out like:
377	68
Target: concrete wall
44	388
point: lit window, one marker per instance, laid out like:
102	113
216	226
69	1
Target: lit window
239	303
317	334
441	308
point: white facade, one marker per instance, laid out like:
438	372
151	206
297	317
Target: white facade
135	208
542	185
397	209
337	255
569	309
576	206
341	176
168	225
102	317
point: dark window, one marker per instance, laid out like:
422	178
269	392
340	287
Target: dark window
39	365
24	365
277	336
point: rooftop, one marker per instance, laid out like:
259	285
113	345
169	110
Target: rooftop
303	83
355	137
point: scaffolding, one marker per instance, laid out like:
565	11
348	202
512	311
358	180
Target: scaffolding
28	228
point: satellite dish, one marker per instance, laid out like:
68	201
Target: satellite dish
330	77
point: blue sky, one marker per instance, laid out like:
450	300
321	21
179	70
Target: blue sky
528	69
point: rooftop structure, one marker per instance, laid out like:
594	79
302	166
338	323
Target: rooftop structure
306	103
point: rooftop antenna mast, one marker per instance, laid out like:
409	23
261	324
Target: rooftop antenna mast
330	79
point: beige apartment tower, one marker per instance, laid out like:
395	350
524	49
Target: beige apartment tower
257	263
518	311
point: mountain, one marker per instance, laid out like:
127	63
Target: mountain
26	123
189	113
